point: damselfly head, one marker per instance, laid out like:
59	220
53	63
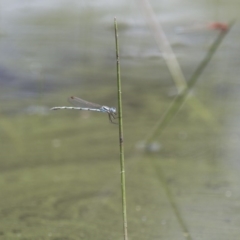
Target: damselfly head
109	109
113	110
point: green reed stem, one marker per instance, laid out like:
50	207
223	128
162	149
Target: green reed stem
124	205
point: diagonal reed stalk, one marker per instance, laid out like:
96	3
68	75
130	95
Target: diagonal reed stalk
164	46
180	99
170	58
123	188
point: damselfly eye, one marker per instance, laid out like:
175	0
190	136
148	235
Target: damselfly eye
114	110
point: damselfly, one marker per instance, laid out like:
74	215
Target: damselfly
88	106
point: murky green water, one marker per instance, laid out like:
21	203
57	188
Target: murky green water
60	170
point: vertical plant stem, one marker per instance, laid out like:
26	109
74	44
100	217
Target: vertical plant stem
120	125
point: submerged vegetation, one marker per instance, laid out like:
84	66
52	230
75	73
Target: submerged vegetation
59	172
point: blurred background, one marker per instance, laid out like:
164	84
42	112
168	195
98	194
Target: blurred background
60	175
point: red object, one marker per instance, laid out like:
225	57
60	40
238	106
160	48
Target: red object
218	26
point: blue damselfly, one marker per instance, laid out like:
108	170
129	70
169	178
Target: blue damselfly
88	106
